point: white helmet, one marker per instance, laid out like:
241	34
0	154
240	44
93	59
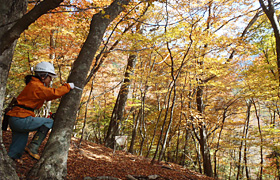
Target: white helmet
45	67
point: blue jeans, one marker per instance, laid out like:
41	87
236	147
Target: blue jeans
20	130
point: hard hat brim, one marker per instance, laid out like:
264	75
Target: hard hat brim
52	75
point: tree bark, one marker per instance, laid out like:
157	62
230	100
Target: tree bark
218	144
10	12
21	24
53	163
244	136
85	117
134	131
249	103
118	111
173	90
271	14
154	136
167	98
204	148
13	23
260	175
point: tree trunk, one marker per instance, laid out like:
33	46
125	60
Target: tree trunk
178	143
204	148
53	163
47	108
13	23
271	14
142	129
239	174
186	139
198	154
218	144
134	132
85	117
154	136
118	111
14	32
249	104
10	11
167	98
170	120
262	141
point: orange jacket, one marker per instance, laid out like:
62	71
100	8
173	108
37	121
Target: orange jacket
34	95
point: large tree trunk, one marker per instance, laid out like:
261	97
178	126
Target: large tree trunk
6	169
53	163
10	12
118	111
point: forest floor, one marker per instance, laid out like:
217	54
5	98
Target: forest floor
94	160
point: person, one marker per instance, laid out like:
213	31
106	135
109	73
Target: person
22	118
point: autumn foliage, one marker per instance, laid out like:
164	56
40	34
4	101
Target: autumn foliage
204	93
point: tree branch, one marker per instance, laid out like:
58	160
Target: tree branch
14	33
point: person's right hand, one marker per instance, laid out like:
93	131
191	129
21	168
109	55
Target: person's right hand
72	86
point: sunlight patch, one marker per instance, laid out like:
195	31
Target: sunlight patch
92	156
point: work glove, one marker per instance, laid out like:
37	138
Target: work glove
72	86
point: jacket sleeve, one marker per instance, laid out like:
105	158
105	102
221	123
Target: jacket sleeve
53	93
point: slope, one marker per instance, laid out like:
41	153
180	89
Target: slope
93	160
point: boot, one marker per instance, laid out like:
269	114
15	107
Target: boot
32	148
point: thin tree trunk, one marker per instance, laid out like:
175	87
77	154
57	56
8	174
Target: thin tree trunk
143	136
170	121
85	117
239	158
198	155
178	143
142	126
230	170
47	109
204	148
261	138
134	132
244	136
117	114
218	144
143	104
182	162
162	128
249	104
154	134
239	174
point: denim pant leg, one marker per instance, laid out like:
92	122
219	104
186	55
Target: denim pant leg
34	123
19	140
29	123
20	128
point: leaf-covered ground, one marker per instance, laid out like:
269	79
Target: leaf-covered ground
93	160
